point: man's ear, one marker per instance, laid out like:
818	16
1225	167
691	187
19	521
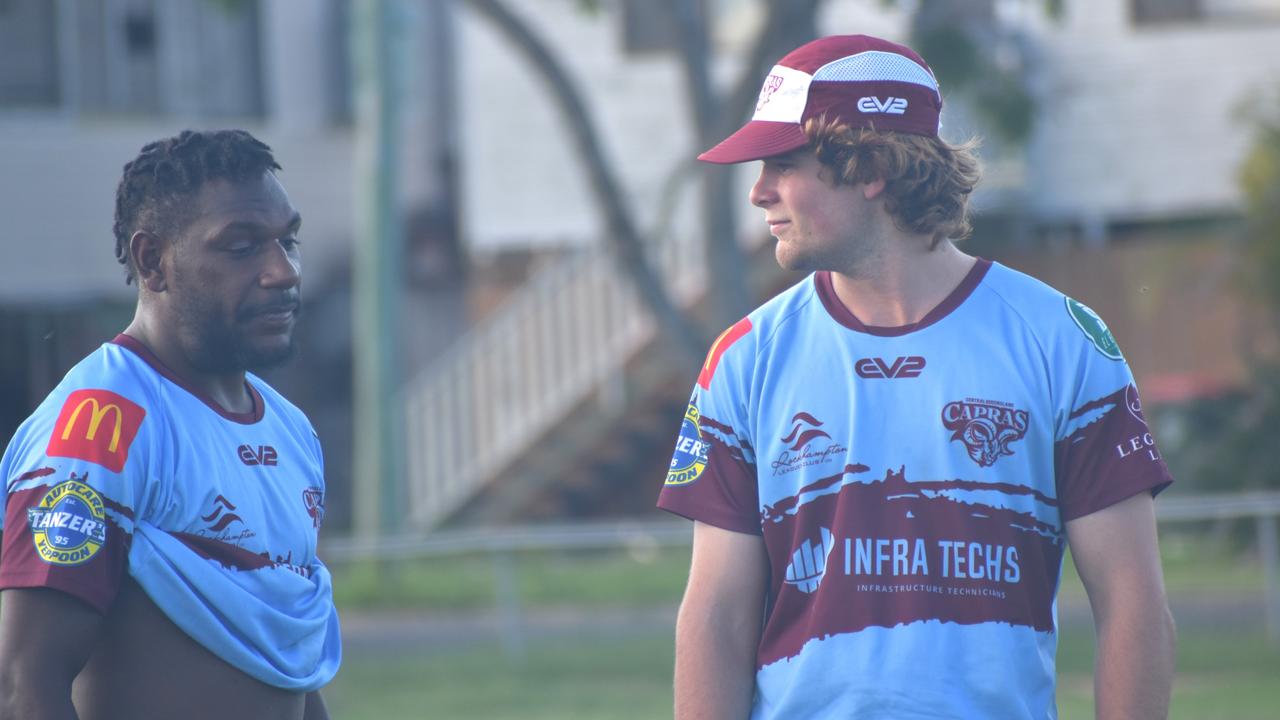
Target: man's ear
147	250
872	190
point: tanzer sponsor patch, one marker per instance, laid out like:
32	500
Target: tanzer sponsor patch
68	526
690	457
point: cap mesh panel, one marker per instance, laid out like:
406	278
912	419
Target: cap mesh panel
875	66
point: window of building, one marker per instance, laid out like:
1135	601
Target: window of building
28	61
133	57
1152	12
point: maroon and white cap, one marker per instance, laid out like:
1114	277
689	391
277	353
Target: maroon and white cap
858	79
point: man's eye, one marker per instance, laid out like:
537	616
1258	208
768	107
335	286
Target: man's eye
289	243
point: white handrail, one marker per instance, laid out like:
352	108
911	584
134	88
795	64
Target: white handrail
558	338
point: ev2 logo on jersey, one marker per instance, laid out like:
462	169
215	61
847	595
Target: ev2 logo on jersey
260	455
902	367
888	106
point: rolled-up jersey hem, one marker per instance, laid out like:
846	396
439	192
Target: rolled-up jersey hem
1155	487
75	590
724	521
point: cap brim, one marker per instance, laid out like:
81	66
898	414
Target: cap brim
756	140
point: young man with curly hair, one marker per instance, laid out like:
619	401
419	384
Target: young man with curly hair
162	504
886	463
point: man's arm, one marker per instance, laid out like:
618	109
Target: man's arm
1116	555
46	637
718	629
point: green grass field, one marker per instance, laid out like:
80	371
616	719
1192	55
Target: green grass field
1226	669
1226	677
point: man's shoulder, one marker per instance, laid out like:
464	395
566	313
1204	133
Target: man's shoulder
786	307
1045	310
96	412
1020	289
110	376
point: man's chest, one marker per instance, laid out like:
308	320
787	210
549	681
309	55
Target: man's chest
861	411
258	487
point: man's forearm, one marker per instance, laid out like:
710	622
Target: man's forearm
715	667
1133	674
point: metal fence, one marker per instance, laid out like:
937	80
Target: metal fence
502	543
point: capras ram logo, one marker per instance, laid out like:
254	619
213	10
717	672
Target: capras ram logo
986	427
888	106
902	367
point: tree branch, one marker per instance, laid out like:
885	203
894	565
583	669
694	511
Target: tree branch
622	236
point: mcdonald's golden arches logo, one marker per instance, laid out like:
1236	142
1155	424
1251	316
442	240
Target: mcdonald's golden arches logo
98	426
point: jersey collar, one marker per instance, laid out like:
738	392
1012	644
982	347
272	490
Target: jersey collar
142	351
841	314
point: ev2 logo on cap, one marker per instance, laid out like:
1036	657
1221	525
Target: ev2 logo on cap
890	106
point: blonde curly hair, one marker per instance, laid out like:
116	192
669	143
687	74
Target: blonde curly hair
927	180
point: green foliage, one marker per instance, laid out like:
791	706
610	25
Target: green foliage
1260	182
230	7
951	53
959	40
1238	429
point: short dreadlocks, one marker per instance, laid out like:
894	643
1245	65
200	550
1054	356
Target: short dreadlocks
157	186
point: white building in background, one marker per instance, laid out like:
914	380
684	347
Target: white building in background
1138	118
1141	106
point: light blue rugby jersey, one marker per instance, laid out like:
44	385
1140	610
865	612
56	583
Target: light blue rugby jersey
123	468
911	485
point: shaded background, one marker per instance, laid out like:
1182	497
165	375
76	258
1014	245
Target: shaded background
512	266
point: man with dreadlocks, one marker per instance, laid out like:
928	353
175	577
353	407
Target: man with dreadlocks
162	504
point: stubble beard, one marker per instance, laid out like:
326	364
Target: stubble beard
213	346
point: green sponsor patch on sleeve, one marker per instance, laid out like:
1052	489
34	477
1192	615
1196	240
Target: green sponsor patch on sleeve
1094	329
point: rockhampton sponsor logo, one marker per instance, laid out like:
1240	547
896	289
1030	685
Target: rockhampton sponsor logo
1094	329
804	448
222	524
986	427
690	456
69	524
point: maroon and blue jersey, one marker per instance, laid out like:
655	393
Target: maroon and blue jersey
126	470
911	485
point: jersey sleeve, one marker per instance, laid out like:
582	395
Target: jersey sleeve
712	478
74	474
1104	451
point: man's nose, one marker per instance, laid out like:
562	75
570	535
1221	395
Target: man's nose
763	192
282	269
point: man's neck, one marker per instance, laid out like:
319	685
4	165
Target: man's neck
227	390
904	281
